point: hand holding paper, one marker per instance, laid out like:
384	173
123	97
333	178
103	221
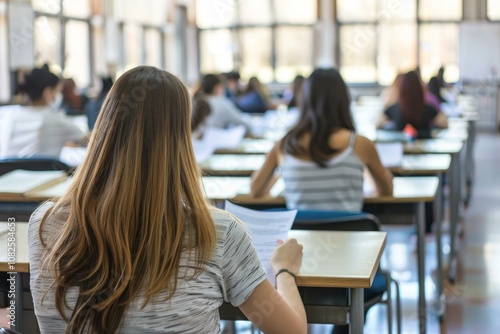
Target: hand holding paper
266	229
288	255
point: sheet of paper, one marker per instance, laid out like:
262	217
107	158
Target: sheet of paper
224	138
391	154
203	150
73	156
21	181
265	228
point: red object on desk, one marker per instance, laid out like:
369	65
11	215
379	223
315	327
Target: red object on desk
410	132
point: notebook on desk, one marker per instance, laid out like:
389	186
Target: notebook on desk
19	183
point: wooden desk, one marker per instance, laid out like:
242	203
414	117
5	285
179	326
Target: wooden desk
250	146
352	262
334	263
415	190
455	148
246	164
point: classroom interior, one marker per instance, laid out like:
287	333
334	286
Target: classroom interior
440	222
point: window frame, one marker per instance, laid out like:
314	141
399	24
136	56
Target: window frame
62	20
273	26
488	18
376	23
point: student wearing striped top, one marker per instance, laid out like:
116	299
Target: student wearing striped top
134	247
321	158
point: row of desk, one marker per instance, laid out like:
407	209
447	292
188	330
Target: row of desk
227	177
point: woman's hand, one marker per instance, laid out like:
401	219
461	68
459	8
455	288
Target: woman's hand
287	255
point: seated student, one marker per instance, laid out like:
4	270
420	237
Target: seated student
293	95
411	109
224	112
134	247
92	108
38	129
232	85
201	111
322	158
254	99
72	103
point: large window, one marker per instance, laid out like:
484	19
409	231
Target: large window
62	38
392	36
142	32
270	39
494	10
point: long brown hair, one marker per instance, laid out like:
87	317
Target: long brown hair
325	108
411	100
135	205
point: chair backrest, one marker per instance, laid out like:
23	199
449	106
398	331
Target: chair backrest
335	221
32	164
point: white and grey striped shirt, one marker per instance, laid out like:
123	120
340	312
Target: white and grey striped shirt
338	186
231	275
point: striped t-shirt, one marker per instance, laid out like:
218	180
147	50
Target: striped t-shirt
231	275
338	186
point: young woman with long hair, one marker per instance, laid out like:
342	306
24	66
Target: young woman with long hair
411	108
134	247
254	98
322	158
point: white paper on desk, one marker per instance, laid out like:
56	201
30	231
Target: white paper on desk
202	150
21	181
391	154
73	156
265	229
224	138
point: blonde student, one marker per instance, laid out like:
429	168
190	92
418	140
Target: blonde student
134	247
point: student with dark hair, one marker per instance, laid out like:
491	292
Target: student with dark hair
435	88
322	158
92	108
293	95
134	246
201	111
232	89
411	109
38	129
72	102
254	99
224	112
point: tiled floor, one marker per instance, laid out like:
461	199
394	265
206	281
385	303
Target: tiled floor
473	303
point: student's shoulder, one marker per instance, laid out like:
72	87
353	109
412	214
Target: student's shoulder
226	223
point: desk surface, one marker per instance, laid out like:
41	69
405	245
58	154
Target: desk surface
246	164
434	146
339	259
21	242
331	259
421	146
406	190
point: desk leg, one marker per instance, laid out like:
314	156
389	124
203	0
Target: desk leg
19	303
357	320
422	314
438	207
455	195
